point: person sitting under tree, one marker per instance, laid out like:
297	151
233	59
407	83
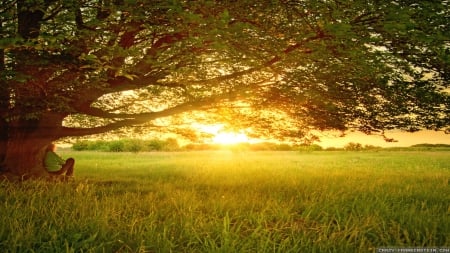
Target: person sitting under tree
55	165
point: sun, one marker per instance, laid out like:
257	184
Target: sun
227	138
220	136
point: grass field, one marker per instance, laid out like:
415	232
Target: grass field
233	202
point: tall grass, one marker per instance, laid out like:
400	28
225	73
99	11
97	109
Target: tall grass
233	202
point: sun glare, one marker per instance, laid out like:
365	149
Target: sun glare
223	137
230	138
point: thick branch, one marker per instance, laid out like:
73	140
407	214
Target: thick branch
141	118
122	84
69	131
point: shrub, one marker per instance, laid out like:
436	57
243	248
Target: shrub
155	145
89	145
283	147
263	146
116	146
80	145
371	147
201	146
352	146
98	145
134	146
309	148
171	144
333	149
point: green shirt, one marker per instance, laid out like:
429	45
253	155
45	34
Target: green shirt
52	161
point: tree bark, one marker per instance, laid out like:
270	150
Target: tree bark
3	141
22	140
26	145
4	105
24	157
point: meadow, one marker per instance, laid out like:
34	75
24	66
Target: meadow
222	201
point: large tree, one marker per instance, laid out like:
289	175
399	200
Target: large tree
81	67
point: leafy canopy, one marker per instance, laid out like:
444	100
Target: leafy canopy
280	67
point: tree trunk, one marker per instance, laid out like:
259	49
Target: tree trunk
24	157
29	127
26	144
3	141
4	106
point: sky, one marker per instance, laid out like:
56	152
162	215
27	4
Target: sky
327	140
404	139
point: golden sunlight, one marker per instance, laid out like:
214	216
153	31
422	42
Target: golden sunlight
220	136
230	138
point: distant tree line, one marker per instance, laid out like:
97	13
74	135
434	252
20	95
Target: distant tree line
353	146
427	145
260	146
127	145
171	144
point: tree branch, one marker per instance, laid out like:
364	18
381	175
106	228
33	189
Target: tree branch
266	64
122	84
75	132
141	118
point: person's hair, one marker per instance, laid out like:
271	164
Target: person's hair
51	147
